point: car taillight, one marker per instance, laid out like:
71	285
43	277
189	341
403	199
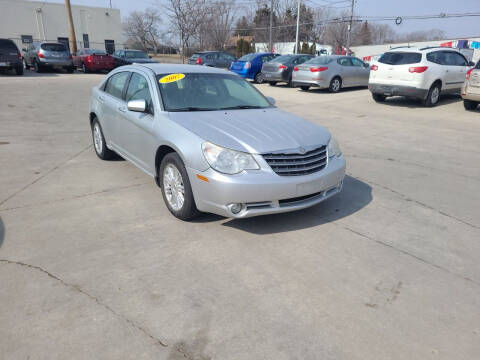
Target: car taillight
40	55
282	67
19	55
70	56
295	68
247	65
469	72
418	69
317	69
374	67
199	61
88	58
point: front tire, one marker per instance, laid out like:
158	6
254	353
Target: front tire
38	68
99	143
25	65
469	104
176	189
335	85
433	96
272	83
305	88
378	97
19	70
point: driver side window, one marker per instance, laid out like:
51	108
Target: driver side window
138	90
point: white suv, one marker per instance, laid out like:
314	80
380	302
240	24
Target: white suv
422	73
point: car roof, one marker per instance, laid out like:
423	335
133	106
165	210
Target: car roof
420	49
177	68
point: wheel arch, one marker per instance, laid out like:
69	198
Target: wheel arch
437	81
161	152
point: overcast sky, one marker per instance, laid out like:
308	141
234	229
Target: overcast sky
453	27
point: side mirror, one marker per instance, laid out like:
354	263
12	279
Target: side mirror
471	63
271	100
137	105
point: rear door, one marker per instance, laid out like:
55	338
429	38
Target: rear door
113	104
135	129
8	52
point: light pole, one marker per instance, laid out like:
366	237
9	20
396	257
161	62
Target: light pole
270	43
298	26
350	27
73	38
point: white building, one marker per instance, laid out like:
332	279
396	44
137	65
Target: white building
289	48
26	21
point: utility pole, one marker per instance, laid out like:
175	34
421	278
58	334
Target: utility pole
298	26
73	39
350	27
271	26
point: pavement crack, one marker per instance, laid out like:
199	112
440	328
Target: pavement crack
406	198
90	296
45	174
405	252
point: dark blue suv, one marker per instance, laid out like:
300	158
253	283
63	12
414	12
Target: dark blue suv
250	66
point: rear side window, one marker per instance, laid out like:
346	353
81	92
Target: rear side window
8	45
437	57
400	58
53	47
116	83
345	62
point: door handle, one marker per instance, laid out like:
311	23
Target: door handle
122	109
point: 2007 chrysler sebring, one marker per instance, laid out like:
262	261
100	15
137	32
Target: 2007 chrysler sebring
213	142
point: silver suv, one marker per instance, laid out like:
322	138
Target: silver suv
212	141
42	55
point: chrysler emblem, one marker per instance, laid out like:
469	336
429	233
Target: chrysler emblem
302	150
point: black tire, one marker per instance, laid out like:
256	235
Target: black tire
469	104
19	70
38	68
258	79
379	97
272	83
85	69
305	88
189	209
25	65
104	153
433	97
335	85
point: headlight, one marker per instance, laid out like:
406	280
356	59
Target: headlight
228	161
333	148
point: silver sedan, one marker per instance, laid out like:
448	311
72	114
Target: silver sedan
213	142
331	72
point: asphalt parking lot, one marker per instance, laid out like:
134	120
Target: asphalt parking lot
93	266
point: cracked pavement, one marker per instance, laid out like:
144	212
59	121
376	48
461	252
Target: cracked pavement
92	265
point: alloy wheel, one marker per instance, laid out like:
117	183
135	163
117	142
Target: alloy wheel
97	138
173	187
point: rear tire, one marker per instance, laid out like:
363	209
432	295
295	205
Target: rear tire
38	68
19	70
433	95
99	143
70	69
379	97
335	85
175	184
272	83
469	104
305	88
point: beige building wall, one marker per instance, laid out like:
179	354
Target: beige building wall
48	21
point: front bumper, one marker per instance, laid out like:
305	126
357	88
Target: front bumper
398	90
263	192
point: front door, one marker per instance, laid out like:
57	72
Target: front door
347	72
457	70
362	72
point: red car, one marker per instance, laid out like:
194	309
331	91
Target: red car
92	60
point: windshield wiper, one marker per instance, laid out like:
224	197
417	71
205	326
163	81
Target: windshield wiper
242	107
192	108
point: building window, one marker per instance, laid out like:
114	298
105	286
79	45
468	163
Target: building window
27	39
86	43
110	46
64	40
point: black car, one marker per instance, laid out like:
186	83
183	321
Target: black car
10	57
280	69
126	57
218	59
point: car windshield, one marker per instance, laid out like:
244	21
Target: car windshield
248	57
136	55
320	60
53	47
283	58
400	58
95	51
208	92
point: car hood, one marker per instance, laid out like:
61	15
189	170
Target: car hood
253	130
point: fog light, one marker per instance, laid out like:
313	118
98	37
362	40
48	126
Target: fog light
235	208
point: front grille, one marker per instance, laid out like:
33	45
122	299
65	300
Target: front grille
295	164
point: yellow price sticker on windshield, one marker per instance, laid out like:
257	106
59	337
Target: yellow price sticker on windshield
171	78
